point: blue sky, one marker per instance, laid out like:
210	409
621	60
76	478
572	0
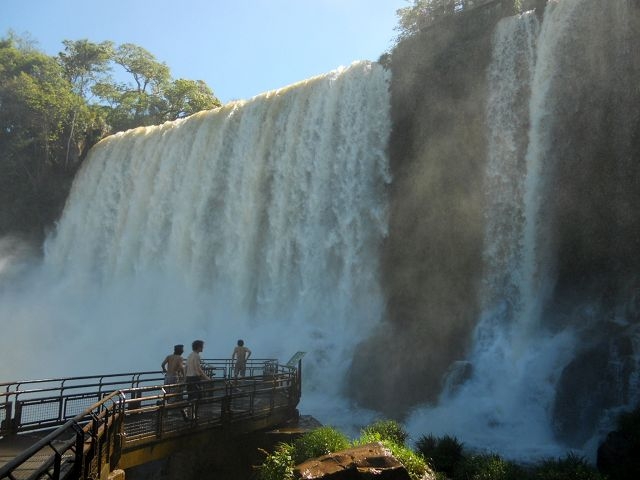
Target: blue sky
240	48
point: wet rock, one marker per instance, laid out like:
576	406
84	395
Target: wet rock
619	455
370	461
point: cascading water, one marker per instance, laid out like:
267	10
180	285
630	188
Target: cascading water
260	220
508	371
520	348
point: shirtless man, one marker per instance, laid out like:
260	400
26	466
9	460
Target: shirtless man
173	366
241	354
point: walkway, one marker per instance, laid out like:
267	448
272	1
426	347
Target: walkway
86	427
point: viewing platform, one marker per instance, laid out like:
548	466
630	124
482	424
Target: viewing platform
92	426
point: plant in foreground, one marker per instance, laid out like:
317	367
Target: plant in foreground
318	442
388	430
571	467
443	453
487	467
279	464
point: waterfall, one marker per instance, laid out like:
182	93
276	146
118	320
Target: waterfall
515	360
259	220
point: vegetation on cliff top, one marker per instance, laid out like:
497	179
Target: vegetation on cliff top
54	108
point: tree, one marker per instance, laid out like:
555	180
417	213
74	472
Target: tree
53	109
152	97
85	64
423	13
37	103
186	97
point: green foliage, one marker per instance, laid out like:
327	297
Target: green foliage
55	108
387	430
278	465
488	467
318	442
393	436
571	467
422	13
414	462
443	454
85	63
186	97
37	143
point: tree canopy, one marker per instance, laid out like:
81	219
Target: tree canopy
422	13
54	108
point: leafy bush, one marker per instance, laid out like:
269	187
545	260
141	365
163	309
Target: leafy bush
629	425
571	467
488	467
278	465
387	430
442	453
414	462
318	442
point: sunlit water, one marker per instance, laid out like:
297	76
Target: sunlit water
261	220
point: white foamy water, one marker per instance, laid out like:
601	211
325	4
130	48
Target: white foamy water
506	404
260	220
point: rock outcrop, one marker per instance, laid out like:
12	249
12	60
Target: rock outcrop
370	461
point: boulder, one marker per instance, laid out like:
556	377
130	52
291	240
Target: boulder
370	461
619	456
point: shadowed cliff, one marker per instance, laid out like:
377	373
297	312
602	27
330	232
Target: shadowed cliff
432	257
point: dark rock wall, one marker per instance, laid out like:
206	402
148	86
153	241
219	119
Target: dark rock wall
590	223
594	214
432	258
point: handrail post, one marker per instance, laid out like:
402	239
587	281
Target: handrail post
17	419
61	401
56	465
79	457
299	379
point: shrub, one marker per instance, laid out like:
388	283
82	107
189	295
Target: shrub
443	453
571	467
318	442
488	467
629	425
414	462
387	430
278	465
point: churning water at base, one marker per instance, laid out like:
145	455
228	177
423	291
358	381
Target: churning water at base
260	220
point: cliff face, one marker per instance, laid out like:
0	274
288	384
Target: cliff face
432	257
569	267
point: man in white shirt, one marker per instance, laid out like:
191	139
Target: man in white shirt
194	372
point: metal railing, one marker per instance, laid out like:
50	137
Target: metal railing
28	405
41	404
77	449
134	416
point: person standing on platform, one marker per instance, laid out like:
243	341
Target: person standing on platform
240	354
194	372
173	366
